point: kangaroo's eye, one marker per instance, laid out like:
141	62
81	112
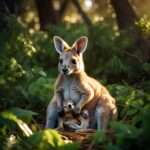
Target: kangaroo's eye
60	61
73	61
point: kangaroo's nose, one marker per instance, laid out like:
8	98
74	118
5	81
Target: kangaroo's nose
65	70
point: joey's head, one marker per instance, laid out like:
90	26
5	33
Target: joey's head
68	106
70	58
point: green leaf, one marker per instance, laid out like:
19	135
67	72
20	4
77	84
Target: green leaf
99	137
131	112
8	115
47	139
111	146
43	140
124	131
25	115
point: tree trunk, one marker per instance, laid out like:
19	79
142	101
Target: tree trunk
63	7
11	7
8	8
47	13
125	14
126	18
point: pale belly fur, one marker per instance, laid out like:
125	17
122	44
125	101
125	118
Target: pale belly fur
70	91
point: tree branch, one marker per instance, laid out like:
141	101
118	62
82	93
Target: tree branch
82	13
63	7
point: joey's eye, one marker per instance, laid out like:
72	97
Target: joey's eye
60	61
73	61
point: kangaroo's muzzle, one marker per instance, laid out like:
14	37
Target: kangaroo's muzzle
65	70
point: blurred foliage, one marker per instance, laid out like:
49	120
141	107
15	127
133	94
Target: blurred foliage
144	24
28	68
46	139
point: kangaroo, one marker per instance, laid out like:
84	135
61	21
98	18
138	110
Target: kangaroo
73	85
70	121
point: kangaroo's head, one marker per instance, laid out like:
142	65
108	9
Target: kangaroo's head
70	58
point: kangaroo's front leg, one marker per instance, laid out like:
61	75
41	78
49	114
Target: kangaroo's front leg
52	116
53	109
86	96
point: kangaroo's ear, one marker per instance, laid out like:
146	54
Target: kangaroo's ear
80	45
60	44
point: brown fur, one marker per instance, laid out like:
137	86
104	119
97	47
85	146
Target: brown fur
77	87
96	94
73	122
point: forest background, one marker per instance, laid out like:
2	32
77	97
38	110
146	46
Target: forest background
118	55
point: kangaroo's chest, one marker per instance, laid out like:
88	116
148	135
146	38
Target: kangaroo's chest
71	92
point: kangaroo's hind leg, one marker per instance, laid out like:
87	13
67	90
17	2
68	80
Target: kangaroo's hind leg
102	117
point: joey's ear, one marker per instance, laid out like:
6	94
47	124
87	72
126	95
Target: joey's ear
60	44
80	45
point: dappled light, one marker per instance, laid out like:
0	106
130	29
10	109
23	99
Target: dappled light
117	55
